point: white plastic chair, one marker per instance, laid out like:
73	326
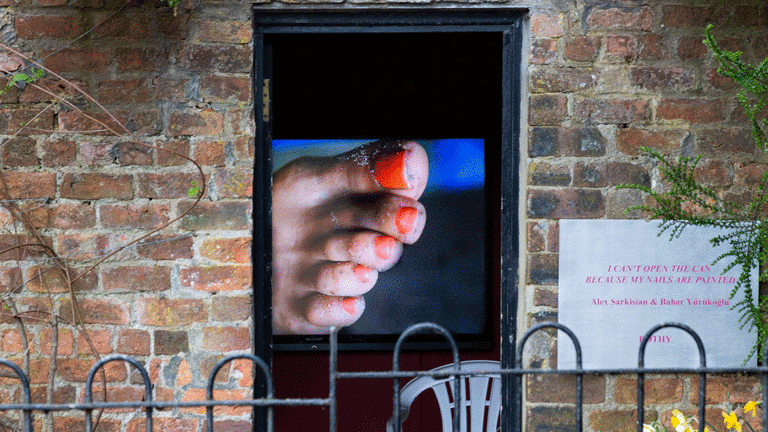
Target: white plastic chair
484	406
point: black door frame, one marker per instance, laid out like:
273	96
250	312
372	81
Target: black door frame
506	21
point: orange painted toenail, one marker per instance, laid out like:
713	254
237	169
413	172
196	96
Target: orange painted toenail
384	247
405	219
361	272
349	304
389	170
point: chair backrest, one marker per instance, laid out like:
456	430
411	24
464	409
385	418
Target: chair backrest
483	406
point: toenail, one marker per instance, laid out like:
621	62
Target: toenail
389	170
405	219
362	273
384	247
349	304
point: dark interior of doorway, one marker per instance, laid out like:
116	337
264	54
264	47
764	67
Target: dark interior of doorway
405	84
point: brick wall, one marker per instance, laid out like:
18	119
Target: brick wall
604	77
178	302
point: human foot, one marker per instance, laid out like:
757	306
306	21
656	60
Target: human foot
336	223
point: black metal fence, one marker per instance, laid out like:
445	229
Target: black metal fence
515	375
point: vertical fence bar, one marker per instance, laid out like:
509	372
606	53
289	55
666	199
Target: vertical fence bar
579	375
334	346
457	399
641	374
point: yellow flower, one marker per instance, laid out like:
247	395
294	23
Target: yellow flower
648	428
732	422
679	422
750	406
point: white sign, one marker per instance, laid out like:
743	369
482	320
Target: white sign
619	278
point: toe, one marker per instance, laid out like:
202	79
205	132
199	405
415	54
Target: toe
327	311
345	279
369	248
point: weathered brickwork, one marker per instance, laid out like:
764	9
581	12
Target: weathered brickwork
606	78
603	79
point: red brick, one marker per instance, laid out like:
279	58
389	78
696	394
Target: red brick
547	109
52	280
663	78
727	389
170	90
589	175
629	140
566	204
623	48
21	247
657	391
78	423
89	59
168	185
691	110
216	216
166	158
61	395
137	278
641	18
166	247
542	269
545	297
563	80
99	311
133	342
100	341
173	25
195	394
81	246
691	47
612	111
230	308
689	16
100	153
170	312
226	89
562	389
165	424
51	26
235	32
627	173
29	185
613	421
714	173
653	47
65	341
147	217
134	153
234	183
227	250
543	26
726	140
26	121
140	59
216	278
216	58
97	123
171	342
748	174
131	25
196	122
59	153
210	153
582	48
123	91
11	342
536	242
76	370
543	51
19	152
544	174
36	308
88	186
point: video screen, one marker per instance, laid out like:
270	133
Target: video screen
374	236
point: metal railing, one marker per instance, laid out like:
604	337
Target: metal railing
27	408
